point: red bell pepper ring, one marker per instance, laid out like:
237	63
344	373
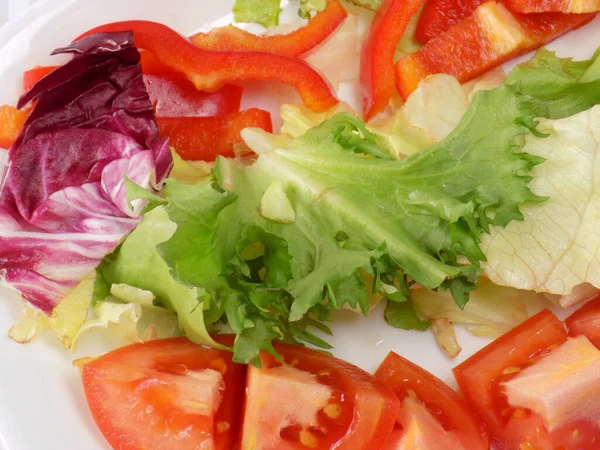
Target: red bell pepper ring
32	76
205	138
296	43
564	6
377	58
210	70
478	40
11	123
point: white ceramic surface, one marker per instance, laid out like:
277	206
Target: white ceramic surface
42	406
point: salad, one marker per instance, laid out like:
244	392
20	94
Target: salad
145	196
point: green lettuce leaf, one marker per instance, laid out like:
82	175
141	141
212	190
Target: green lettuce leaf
136	263
307	7
373	5
279	244
263	12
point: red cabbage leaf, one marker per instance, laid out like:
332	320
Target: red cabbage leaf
63	203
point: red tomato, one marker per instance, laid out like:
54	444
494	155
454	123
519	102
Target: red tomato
481	376
166	394
205	138
173	95
315	402
456	427
586	321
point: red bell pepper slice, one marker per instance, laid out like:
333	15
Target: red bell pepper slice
564	6
296	43
32	76
174	96
205	138
211	70
440	15
11	123
377	58
479	42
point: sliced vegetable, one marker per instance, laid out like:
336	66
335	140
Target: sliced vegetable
296	43
369	4
489	37
63	205
174	96
482	376
586	322
211	70
11	124
166	394
263	12
377	60
563	6
205	138
440	15
32	76
563	388
317	402
354	213
432	415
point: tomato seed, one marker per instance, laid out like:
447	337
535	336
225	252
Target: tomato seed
333	411
222	427
308	439
511	370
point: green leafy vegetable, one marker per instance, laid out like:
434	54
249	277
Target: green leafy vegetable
351	210
403	315
307	7
373	5
263	12
136	263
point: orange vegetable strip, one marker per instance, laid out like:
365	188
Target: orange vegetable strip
11	123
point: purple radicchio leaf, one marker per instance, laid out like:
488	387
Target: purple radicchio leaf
63	203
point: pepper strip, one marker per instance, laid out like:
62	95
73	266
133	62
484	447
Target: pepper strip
205	138
296	43
564	6
211	70
489	37
377	58
440	15
11	123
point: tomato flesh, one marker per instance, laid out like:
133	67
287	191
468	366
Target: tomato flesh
586	322
316	402
166	394
430	399
482	380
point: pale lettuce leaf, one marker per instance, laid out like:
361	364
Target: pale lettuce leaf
263	12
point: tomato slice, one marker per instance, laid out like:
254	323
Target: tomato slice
482	376
438	412
586	321
166	394
317	402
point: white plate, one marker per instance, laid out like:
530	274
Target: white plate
42	406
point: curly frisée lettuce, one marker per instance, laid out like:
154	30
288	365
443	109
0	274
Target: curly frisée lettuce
273	246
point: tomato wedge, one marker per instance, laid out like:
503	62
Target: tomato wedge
430	410
166	394
586	321
482	380
317	402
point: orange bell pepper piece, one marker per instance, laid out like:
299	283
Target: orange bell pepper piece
205	138
296	43
377	58
210	70
11	123
564	6
489	37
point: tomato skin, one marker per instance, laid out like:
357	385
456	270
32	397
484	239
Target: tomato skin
205	138
479	379
451	411
111	383
586	321
369	399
